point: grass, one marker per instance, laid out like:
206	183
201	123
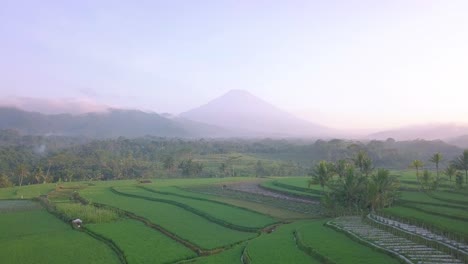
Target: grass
226	213
230	256
142	244
17	205
442	223
174	219
313	210
272	185
35	236
87	213
26	192
448	211
327	242
278	247
270	210
28	234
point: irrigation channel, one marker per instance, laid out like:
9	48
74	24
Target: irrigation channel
410	243
407	249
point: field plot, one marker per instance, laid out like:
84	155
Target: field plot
292	190
278	247
26	192
230	256
142	244
257	195
439	222
229	214
35	236
328	242
183	223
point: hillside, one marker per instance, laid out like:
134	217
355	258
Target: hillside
111	124
247	115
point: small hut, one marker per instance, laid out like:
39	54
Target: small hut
77	223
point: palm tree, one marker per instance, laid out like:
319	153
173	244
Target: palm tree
436	159
382	189
321	173
367	166
22	172
417	164
450	171
461	163
340	167
359	160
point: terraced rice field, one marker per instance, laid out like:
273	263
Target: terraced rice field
186	225
406	249
308	207
30	234
229	214
327	242
230	220
278	247
142	244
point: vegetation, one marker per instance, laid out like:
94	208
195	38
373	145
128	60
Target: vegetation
87	213
28	160
205	217
35	236
142	244
178	221
285	249
327	242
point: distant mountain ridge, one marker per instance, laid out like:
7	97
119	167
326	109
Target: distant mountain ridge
445	132
247	115
111	124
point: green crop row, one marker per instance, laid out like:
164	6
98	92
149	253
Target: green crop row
278	247
290	190
449	227
326	242
228	216
87	213
36	236
179	221
179	192
141	244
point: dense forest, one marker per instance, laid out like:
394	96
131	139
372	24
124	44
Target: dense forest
26	159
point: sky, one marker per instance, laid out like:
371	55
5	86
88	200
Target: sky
343	64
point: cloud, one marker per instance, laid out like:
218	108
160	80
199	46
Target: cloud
54	106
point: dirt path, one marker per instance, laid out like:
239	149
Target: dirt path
253	187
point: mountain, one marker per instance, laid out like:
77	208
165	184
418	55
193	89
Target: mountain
246	115
49	106
461	141
110	124
429	132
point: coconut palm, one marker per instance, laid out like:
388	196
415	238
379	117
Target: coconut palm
382	189
367	167
417	164
359	159
436	159
450	171
321	173
340	167
461	163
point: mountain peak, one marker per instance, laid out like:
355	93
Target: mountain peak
241	111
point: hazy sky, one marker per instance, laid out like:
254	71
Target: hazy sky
343	63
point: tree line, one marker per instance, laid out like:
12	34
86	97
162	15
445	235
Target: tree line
354	185
455	170
26	159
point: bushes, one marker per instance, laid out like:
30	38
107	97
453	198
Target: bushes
87	213
310	251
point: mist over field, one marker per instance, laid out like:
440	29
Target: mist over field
233	132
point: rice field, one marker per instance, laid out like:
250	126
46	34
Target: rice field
215	220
